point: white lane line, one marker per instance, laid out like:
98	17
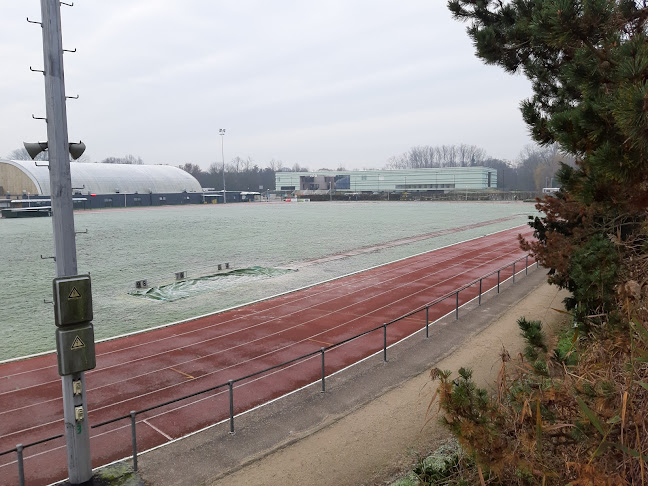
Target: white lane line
324	291
246	383
162	326
156	429
292	343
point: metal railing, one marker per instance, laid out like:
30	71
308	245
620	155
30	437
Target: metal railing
230	384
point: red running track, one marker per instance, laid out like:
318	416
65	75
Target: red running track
146	369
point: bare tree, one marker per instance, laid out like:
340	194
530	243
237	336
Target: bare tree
424	156
236	164
127	159
22	154
470	155
215	168
298	168
192	169
84	159
247	164
275	165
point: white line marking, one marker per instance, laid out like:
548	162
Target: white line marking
202	329
161	326
256	407
290	344
351	284
156	429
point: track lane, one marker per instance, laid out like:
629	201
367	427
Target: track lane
171	379
103	366
362	302
286	339
173	375
119	346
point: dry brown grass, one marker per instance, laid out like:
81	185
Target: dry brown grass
578	417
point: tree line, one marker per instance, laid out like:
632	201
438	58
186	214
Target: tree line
240	175
536	166
535	169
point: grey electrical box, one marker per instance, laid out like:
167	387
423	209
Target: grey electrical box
72	300
75	349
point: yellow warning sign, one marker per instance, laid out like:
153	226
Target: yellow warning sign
77	343
74	294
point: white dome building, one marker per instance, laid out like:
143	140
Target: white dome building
103	185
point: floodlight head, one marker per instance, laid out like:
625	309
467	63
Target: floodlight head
33	149
77	149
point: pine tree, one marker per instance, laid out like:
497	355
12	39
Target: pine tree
587	61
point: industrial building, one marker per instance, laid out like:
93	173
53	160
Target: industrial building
101	185
430	180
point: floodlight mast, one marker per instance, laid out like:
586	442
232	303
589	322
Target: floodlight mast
221	132
77	431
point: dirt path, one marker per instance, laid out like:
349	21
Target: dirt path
371	444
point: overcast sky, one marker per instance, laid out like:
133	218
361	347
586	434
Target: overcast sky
318	83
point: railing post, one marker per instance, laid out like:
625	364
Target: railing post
323	372
513	272
230	384
134	439
427	322
457	307
480	291
498	279
21	469
526	265
385	343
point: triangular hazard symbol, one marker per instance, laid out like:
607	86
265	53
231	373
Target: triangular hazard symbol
74	294
77	343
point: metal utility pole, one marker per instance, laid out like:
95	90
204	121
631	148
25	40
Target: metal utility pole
221	132
77	431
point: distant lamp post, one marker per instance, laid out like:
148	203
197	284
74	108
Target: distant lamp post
221	132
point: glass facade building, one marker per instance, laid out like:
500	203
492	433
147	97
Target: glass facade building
433	180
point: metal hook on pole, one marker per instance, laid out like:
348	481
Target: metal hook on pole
68	4
72	97
34	22
36	70
38	117
69	50
47	258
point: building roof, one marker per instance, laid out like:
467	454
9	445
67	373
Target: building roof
91	178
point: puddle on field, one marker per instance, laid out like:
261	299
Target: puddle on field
208	283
